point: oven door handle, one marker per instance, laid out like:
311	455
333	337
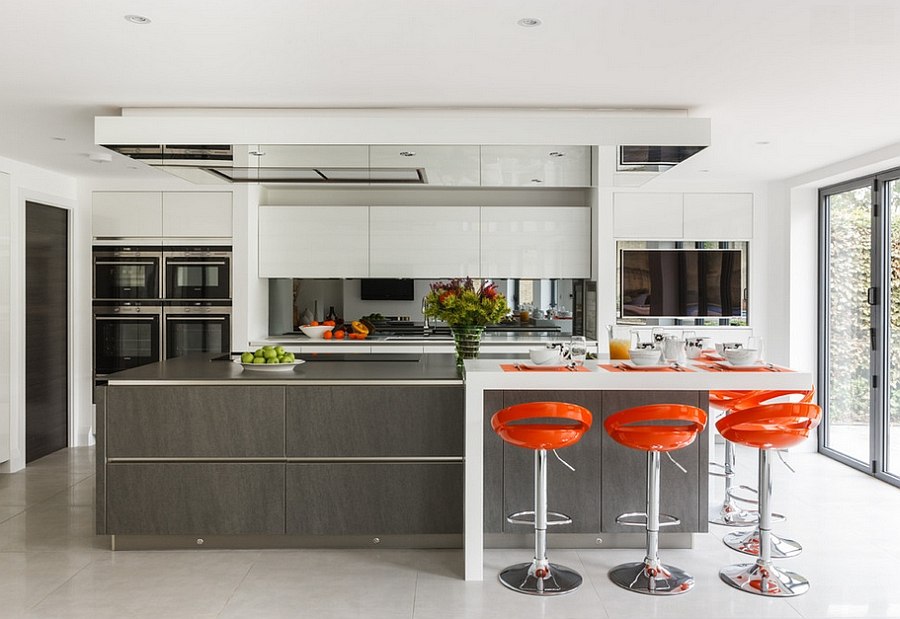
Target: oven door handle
180	317
201	263
125	262
129	317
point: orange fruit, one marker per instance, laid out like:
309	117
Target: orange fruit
328	335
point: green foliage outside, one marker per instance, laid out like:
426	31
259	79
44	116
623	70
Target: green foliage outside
850	316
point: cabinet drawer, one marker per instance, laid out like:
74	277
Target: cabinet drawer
374	498
200	422
195	498
373	421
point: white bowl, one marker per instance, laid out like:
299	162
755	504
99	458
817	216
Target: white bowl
644	356
741	356
315	333
722	347
545	356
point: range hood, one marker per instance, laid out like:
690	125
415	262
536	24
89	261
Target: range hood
650	158
213	163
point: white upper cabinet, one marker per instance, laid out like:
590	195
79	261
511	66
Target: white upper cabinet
718	216
648	215
444	165
314	241
535	166
313	156
535	242
116	214
424	242
196	214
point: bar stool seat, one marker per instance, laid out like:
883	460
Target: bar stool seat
767	427
541	426
654	428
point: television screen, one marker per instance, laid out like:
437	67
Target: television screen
386	290
681	283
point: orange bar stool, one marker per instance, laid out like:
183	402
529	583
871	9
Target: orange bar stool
728	513
541	426
655	428
767	427
748	542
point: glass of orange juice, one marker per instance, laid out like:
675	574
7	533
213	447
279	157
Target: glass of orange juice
619	342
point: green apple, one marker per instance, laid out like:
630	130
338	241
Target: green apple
279	350
289	357
247	357
258	352
271	360
258	360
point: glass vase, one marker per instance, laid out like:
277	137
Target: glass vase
467	340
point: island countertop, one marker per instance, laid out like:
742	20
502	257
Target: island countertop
212	369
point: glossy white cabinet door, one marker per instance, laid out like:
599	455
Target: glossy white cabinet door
126	214
444	165
648	215
196	214
424	242
718	216
536	242
535	166
312	155
313	241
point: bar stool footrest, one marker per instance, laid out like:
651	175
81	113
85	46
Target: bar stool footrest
716	473
639	519
732	494
527	517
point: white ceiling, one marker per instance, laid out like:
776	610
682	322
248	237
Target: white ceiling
816	79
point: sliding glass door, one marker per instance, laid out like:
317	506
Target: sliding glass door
860	324
848	217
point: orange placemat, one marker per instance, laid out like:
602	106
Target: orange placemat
518	367
619	368
716	367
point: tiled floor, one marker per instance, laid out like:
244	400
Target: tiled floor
51	565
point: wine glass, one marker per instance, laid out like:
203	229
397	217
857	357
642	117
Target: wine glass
578	349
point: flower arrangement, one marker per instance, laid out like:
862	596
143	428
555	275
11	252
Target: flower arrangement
459	303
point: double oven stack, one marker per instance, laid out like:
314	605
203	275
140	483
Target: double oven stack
153	303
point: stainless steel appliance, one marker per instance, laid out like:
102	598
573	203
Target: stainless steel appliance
197	273
200	327
127	273
126	336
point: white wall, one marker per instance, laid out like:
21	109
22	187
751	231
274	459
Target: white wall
30	183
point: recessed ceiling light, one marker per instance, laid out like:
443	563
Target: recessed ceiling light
529	22
703	170
58	138
763	142
137	19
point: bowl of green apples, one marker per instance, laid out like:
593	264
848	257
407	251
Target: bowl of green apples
269	359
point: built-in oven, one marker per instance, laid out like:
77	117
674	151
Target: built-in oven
196	328
197	273
127	273
126	336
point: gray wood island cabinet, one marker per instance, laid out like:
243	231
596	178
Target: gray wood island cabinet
349	452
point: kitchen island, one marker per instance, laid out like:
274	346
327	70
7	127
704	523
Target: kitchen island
376	449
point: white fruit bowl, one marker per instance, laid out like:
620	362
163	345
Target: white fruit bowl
644	356
315	333
741	356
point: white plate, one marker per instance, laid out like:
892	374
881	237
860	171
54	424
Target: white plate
653	366
755	364
535	366
270	367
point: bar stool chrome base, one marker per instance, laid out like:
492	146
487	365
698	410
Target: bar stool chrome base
555	579
747	542
730	515
763	580
653	580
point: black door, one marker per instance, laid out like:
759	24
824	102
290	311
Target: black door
46	330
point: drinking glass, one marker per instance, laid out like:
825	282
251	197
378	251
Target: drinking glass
619	341
577	349
657	335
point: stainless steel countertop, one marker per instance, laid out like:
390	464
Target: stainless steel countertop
203	369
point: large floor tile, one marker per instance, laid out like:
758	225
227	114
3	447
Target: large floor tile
149	584
27	578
